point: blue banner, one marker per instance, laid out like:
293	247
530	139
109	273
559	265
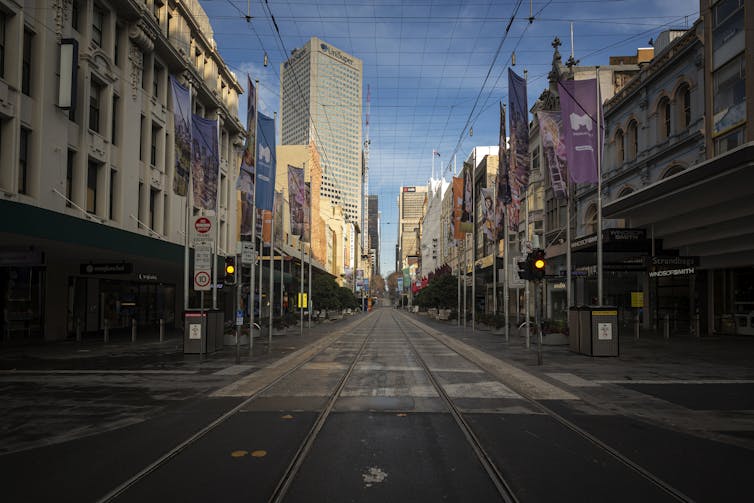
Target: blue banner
182	125
266	161
205	162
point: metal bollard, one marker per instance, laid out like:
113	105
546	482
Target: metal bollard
133	329
78	330
636	327
162	330
667	326
106	331
697	326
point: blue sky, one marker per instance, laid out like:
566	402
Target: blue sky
429	65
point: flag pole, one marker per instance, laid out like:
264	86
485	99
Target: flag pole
217	217
187	213
253	209
271	295
599	193
473	245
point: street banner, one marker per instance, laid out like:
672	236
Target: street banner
554	151
518	172
245	182
298	197
359	279
266	227
278	216
400	284
205	161
488	213
503	185
467	213
247	207
266	160
455	222
182	125
406	276
578	111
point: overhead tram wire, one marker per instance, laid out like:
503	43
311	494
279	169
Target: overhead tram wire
481	90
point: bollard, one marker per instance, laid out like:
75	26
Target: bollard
697	326
106	331
162	330
78	330
667	326
133	329
636	327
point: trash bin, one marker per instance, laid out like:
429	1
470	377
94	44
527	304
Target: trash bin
598	331
574	328
209	340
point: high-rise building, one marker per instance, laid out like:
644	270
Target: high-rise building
320	102
410	213
373	232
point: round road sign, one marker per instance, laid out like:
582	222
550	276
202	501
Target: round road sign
203	225
202	279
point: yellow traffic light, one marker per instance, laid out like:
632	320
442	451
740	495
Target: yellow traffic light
539	264
230	269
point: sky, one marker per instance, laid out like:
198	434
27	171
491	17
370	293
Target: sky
436	69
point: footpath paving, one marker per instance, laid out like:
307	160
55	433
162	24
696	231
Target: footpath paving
701	386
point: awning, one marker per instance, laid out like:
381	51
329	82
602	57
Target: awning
705	211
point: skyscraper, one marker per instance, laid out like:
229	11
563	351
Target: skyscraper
410	213
320	95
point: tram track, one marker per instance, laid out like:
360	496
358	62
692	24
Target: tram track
548	411
193	439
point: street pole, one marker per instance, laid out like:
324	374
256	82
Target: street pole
300	295
252	267
237	308
538	318
599	193
271	296
310	304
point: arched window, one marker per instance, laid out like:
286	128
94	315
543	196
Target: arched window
590	220
683	98
663	118
672	170
625	191
633	140
620	148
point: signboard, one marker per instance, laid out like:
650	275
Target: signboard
115	268
605	331
247	253
239	317
202	228
637	299
513	280
195	331
202	267
303	300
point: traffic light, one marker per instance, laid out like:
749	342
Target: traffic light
231	274
524	271
537	261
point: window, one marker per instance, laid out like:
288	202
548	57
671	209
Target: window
156	80
3	20
672	170
139	207
98	21
620	147
153	195
114	120
153	153
625	191
91	187
111	206
23	161
141	137
729	98
75	12
727	23
157	6
683	98
116	55
590	220
69	177
633	139
729	141
94	105
663	113
26	64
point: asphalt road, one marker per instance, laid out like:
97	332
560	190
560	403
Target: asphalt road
389	437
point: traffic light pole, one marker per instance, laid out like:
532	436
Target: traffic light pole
538	317
237	308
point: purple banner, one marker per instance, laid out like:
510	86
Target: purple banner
467	215
553	147
578	109
205	161
182	125
488	219
278	219
245	182
503	185
519	140
266	160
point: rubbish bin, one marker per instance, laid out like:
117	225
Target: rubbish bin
574	328
195	340
598	331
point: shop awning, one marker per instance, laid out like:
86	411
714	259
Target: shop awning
706	211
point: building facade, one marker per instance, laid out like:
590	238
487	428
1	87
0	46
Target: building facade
373	233
321	102
93	232
410	212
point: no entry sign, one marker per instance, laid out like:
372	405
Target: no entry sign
203	228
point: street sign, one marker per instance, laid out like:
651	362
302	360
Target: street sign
637	299
202	267
302	300
247	253
202	228
239	317
107	268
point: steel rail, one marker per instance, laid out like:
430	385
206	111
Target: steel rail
123	487
651	477
286	480
497	477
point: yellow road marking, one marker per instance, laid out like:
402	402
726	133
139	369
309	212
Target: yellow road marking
239	454
258	454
